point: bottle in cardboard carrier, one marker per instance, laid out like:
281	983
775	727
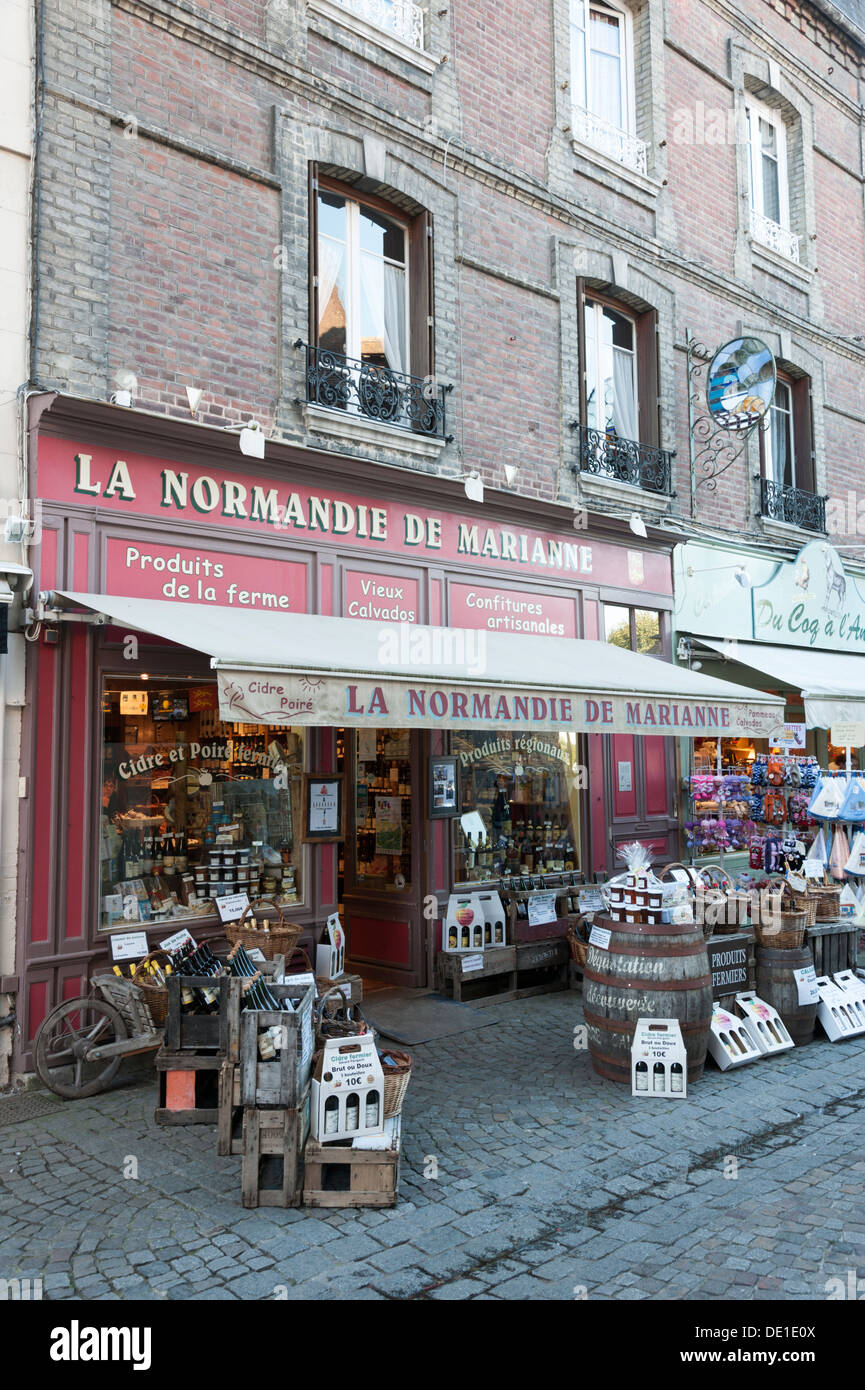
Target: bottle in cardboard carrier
642	1077
677	1078
352	1112
331	1115
658	1079
372	1110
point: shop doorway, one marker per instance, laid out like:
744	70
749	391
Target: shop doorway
382	869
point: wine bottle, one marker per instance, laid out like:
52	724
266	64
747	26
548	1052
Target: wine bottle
372	1110
677	1078
658	1079
642	1077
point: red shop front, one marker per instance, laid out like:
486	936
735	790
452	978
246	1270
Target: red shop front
136	771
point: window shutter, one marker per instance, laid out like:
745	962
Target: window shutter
581	347
803	435
312	175
647	378
421	297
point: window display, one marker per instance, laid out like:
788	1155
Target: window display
193	808
383	808
525	788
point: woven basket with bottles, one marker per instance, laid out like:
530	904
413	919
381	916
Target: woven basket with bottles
780	927
397	1074
578	941
153	986
272	938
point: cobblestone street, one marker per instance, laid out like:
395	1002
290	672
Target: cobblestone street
550	1185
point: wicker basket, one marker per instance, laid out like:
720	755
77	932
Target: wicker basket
786	930
695	882
397	1074
579	947
336	1017
828	897
155	994
806	902
273	940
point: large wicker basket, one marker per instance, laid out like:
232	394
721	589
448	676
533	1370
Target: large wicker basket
155	994
806	902
785	929
828	898
397	1074
273	939
579	946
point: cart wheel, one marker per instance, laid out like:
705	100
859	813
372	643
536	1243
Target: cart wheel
64	1039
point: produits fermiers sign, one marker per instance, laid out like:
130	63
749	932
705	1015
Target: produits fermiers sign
141	485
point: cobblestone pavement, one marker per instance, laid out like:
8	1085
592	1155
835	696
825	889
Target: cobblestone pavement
551	1184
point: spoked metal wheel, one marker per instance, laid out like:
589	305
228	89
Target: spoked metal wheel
67	1036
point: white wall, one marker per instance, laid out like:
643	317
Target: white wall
16	143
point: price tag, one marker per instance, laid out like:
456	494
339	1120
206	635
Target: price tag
600	937
470	963
813	869
255	953
180	938
681	875
232	906
806	985
129	945
590	900
542	908
797	882
849	735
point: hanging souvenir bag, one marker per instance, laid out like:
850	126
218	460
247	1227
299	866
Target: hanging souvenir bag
856	860
853	803
839	854
826	801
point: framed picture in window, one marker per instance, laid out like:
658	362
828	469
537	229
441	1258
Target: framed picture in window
324	808
444	787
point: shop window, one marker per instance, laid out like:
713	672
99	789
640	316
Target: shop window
371	305
525	788
635	629
383	789
193	808
602	82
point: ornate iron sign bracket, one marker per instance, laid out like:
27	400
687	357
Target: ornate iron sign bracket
712	450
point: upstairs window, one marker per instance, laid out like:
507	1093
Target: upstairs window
362	282
611	371
769	183
602	82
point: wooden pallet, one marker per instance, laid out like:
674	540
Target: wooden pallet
337	1175
507	972
272	1155
188	1088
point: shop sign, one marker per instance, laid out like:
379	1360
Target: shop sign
788	736
380	598
477	607
251	505
144	569
848	735
279	698
812	602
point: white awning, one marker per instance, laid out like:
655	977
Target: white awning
298	668
832	683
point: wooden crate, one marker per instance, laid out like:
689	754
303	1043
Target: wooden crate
188	1088
279	1082
337	1175
272	1155
834	946
229	1123
507	972
351	985
217	1032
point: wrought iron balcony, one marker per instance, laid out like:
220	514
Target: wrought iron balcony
609	140
625	460
375	393
398	17
794	505
774	236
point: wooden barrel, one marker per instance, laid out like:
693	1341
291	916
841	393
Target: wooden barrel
659	971
777	986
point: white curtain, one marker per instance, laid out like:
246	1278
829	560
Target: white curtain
624	398
329	262
394	318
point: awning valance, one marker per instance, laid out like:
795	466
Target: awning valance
298	668
832	683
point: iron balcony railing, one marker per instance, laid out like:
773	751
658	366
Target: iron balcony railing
794	505
375	393
625	460
775	237
609	140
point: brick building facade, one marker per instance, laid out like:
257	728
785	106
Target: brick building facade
576	184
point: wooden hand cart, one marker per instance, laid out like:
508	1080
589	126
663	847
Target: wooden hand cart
80	1044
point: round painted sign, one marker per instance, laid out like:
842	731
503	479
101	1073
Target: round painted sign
740	384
